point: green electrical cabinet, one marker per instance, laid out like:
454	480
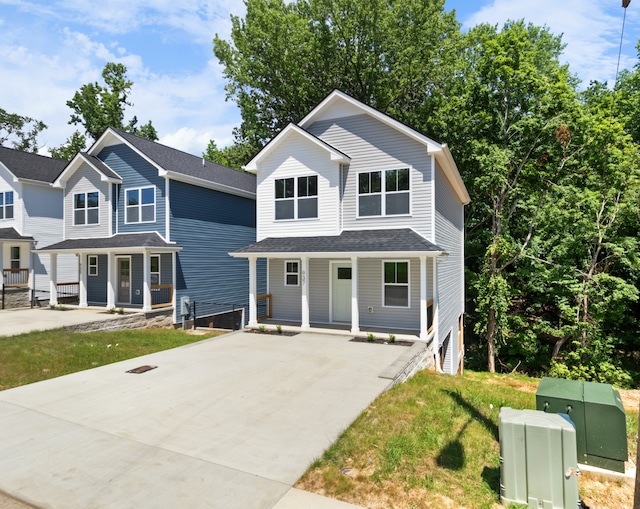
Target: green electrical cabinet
538	460
597	412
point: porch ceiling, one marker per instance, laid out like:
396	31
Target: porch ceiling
362	243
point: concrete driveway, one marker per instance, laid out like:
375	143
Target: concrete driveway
230	422
20	321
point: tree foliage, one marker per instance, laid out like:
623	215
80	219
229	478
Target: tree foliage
20	132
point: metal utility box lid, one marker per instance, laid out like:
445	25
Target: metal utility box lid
599	417
538	459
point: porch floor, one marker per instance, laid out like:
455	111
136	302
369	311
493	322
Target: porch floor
343	329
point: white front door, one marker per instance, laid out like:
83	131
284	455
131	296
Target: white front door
124	280
341	292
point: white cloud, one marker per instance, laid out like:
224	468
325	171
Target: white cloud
589	28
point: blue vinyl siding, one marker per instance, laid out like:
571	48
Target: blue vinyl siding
97	285
208	224
136	172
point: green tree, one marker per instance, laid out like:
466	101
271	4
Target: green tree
20	132
76	143
234	156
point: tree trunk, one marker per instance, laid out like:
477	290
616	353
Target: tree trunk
491	339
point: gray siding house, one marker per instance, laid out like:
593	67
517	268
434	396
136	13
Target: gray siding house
151	225
360	221
30	217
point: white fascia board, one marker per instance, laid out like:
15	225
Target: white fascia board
343	255
452	173
117	250
290	130
74	165
207	184
33	182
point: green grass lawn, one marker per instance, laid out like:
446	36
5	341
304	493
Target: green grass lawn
36	356
430	442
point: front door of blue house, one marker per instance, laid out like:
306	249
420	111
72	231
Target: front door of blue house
341	291
124	280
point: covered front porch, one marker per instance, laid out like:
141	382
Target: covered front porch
15	258
135	270
335	283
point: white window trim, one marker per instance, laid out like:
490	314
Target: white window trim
139	205
295	199
383	193
92	265
12	259
297	273
86	209
159	272
407	284
4	205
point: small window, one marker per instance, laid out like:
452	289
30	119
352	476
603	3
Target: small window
6	205
92	265
140	205
344	272
85	208
296	198
396	284
291	273
155	270
15	257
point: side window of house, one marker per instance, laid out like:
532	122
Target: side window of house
92	265
15	257
291	273
155	270
388	197
396	284
140	205
296	198
6	205
85	208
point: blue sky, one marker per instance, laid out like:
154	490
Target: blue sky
50	48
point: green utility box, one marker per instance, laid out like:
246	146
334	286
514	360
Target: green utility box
597	412
538	460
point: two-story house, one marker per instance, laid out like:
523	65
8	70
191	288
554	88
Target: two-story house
152	224
30	217
360	219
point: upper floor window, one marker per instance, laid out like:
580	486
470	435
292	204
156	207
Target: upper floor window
85	208
6	205
140	205
383	193
297	198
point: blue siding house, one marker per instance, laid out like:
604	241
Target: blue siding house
151	225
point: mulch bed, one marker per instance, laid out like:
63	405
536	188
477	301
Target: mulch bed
380	341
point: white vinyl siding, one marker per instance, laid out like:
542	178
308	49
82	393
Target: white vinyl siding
372	145
298	157
319	284
86	180
286	299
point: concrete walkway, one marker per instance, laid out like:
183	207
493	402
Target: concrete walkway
229	422
21	321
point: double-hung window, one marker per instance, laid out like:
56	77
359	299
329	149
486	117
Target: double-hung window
291	273
15	257
396	284
297	198
85	208
6	205
140	205
383	193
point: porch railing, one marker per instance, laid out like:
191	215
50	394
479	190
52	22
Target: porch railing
68	291
161	296
264	303
15	277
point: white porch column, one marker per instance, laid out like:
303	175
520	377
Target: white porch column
436	312
82	263
1	265
53	278
111	281
355	315
253	284
146	281
423	299
304	283
174	279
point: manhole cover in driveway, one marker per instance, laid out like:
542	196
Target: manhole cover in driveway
142	369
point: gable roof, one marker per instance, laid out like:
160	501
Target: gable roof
179	165
365	243
29	166
288	132
338	104
106	173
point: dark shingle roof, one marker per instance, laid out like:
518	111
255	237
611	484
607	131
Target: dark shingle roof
122	240
26	165
12	234
400	240
101	167
177	161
